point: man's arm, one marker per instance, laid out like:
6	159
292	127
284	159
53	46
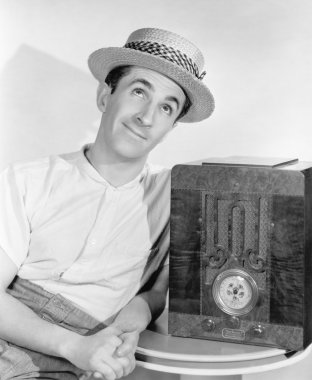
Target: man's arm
156	296
20	325
141	310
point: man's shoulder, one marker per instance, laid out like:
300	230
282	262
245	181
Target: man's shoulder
158	174
37	168
158	170
157	181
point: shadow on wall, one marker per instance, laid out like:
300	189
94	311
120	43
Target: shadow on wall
47	107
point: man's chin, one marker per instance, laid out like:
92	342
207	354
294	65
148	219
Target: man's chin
133	155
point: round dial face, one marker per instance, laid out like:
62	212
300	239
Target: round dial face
235	292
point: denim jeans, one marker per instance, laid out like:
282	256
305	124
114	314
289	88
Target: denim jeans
20	363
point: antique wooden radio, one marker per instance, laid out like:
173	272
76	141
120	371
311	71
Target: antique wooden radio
241	252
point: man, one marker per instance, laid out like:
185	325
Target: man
84	236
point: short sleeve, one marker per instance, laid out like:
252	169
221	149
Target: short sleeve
159	256
14	224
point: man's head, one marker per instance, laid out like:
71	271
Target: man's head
139	108
166	53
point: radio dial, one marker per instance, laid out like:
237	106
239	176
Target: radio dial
235	292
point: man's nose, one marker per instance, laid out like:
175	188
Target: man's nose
145	115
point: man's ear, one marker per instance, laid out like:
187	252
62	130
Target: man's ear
101	97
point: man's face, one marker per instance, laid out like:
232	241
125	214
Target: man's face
140	112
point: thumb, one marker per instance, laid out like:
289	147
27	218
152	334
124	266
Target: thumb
129	344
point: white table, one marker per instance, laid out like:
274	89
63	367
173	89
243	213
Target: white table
191	358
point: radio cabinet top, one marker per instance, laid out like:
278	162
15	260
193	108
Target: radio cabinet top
270	162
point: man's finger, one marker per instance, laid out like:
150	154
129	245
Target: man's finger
97	375
129	365
115	365
129	344
106	371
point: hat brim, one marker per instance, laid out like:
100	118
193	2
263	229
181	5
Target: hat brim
102	61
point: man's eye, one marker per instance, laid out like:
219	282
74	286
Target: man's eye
138	92
167	109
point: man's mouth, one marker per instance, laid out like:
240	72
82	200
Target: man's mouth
135	132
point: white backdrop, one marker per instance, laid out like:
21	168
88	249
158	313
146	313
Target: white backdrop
258	62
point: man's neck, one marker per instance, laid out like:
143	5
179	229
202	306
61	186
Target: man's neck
116	172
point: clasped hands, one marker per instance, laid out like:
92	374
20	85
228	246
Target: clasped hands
108	354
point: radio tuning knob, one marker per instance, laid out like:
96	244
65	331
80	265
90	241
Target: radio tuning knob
233	322
208	324
257	330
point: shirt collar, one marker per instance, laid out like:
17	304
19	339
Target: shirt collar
86	166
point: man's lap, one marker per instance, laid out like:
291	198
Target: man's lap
20	363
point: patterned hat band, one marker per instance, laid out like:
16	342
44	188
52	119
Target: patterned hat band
168	53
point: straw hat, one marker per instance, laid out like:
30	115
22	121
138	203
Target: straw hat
167	53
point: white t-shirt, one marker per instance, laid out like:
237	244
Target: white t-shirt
71	232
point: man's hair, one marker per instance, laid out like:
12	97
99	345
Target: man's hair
114	76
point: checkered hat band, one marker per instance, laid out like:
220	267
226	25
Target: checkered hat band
166	52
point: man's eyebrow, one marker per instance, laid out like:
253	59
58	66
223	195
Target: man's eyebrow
151	87
142	81
173	99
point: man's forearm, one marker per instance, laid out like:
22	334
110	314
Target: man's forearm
135	314
156	301
156	295
21	326
147	305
